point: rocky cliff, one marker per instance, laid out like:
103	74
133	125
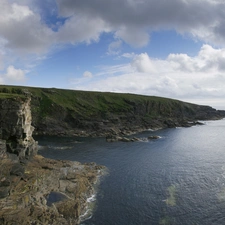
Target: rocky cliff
15	127
80	113
67	112
35	190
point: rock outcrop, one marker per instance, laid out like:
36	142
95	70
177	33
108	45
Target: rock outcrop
130	139
35	190
15	127
46	191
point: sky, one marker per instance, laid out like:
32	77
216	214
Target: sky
167	48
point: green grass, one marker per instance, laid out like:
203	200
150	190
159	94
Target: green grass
92	104
9	95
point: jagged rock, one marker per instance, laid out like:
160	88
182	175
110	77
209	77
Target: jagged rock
171	123
198	123
15	127
4	192
122	139
17	170
153	137
4	182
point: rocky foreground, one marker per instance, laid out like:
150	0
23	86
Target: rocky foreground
35	190
45	191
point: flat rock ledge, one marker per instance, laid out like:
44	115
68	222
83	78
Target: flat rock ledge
44	191
130	139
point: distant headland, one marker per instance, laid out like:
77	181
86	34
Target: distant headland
84	113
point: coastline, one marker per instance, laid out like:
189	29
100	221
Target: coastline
34	189
27	179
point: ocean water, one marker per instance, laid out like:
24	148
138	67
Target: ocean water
178	179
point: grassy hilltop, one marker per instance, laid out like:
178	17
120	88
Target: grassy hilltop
69	112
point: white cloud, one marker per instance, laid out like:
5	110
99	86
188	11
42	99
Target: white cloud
87	74
81	28
13	74
133	35
22	29
142	63
178	76
132	20
208	59
114	47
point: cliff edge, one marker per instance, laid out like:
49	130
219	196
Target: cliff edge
83	113
33	189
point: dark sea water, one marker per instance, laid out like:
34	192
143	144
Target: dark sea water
178	179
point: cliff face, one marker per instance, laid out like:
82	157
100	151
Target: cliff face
35	190
77	113
103	114
15	127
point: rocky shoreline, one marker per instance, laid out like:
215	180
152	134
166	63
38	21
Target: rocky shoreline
25	191
123	130
39	191
35	190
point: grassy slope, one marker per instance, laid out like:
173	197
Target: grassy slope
64	110
89	104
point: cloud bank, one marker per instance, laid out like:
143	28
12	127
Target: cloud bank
24	28
200	78
133	20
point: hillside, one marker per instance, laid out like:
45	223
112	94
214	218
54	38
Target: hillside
82	113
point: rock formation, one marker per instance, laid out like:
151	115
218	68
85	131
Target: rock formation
15	127
30	185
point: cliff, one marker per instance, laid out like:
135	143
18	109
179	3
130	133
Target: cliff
15	127
35	190
80	113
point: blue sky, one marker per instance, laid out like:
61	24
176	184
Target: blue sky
173	48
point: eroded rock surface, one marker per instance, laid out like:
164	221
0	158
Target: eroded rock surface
24	193
35	190
15	127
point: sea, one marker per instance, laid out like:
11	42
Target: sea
178	179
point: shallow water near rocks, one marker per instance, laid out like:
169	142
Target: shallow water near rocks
55	197
177	179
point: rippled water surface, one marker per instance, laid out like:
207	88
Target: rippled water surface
178	179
